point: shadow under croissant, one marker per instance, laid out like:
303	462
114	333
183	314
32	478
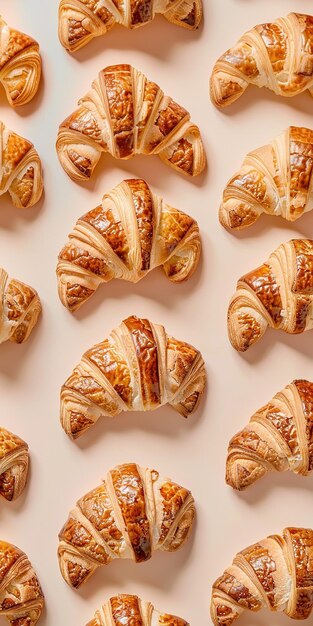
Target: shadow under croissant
300	343
13	357
303	226
11	217
254	95
273	481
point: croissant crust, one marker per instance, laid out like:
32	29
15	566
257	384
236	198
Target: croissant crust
20	308
14	461
130	610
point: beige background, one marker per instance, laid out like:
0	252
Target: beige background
191	452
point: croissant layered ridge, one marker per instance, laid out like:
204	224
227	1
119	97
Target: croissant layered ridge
125	114
14	461
132	232
129	610
82	20
130	515
20	309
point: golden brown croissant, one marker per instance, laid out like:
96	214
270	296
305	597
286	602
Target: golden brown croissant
82	20
130	611
275	179
276	573
138	368
129	234
14	460
126	114
277	55
21	597
278	294
130	515
20	308
20	169
20	65
277	438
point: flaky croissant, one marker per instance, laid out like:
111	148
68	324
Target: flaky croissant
278	294
276	55
20	308
14	461
20	169
20	65
21	597
130	515
138	368
277	438
126	114
275	179
275	573
130	610
82	20
129	234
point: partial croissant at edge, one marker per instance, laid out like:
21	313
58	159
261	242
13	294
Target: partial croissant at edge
130	515
275	573
276	179
275	55
138	368
21	597
125	114
20	309
129	234
14	461
277	438
20	65
129	610
20	169
82	20
278	294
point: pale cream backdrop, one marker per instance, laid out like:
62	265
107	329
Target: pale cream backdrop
191	452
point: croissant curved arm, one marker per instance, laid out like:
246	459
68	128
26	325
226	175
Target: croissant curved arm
126	114
275	573
130	515
20	308
14	460
129	610
82	20
129	234
274	55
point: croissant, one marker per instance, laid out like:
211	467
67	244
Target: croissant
14	461
126	114
82	20
21	597
275	55
129	610
138	368
275	179
20	169
129	234
20	308
278	294
131	514
20	65
276	573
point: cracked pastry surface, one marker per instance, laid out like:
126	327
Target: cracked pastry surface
14	460
130	610
20	309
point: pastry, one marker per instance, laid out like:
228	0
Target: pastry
20	308
128	610
14	461
138	368
130	515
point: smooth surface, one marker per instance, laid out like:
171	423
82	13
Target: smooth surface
194	451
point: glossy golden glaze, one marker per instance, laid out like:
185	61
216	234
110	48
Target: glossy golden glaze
132	514
277	55
262	282
279	573
127	610
20	308
13	465
105	121
146	349
131	233
278	437
82	20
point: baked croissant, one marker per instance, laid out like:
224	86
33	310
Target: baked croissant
275	573
276	55
14	460
275	179
278	294
20	65
129	234
126	114
138	368
82	20
21	597
19	309
277	438
129	610
20	169
130	515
